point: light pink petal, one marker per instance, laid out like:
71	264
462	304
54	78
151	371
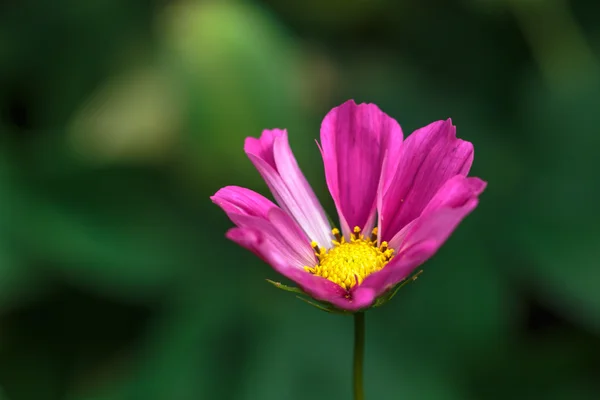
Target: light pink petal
266	247
263	147
289	240
248	209
424	236
292	236
429	157
356	142
273	158
235	200
399	237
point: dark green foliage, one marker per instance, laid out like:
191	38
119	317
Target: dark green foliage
118	120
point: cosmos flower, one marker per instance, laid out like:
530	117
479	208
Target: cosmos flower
397	201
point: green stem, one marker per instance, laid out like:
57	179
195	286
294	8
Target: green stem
359	354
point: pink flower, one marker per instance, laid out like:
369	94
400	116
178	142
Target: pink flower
397	202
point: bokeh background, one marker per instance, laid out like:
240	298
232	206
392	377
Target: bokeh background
119	119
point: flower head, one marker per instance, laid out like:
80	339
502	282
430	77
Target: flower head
397	201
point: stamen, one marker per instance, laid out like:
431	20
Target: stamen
337	234
356	235
374	234
349	263
319	252
315	246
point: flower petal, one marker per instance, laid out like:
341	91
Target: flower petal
397	270
235	200
356	141
269	248
457	191
292	237
248	209
450	205
429	157
424	236
256	241
273	158
319	288
291	242
274	237
454	193
248	238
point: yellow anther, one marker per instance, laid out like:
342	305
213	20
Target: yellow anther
349	263
374	234
356	235
337	234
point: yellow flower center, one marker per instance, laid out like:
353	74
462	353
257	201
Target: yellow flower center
349	263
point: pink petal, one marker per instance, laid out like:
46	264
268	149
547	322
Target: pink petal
398	269
235	200
272	241
455	192
319	287
248	209
256	241
248	238
452	202
276	238
292	237
357	140
424	236
429	157
273	158
291	243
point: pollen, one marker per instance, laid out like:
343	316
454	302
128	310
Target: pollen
348	263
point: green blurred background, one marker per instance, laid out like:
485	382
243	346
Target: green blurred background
118	120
